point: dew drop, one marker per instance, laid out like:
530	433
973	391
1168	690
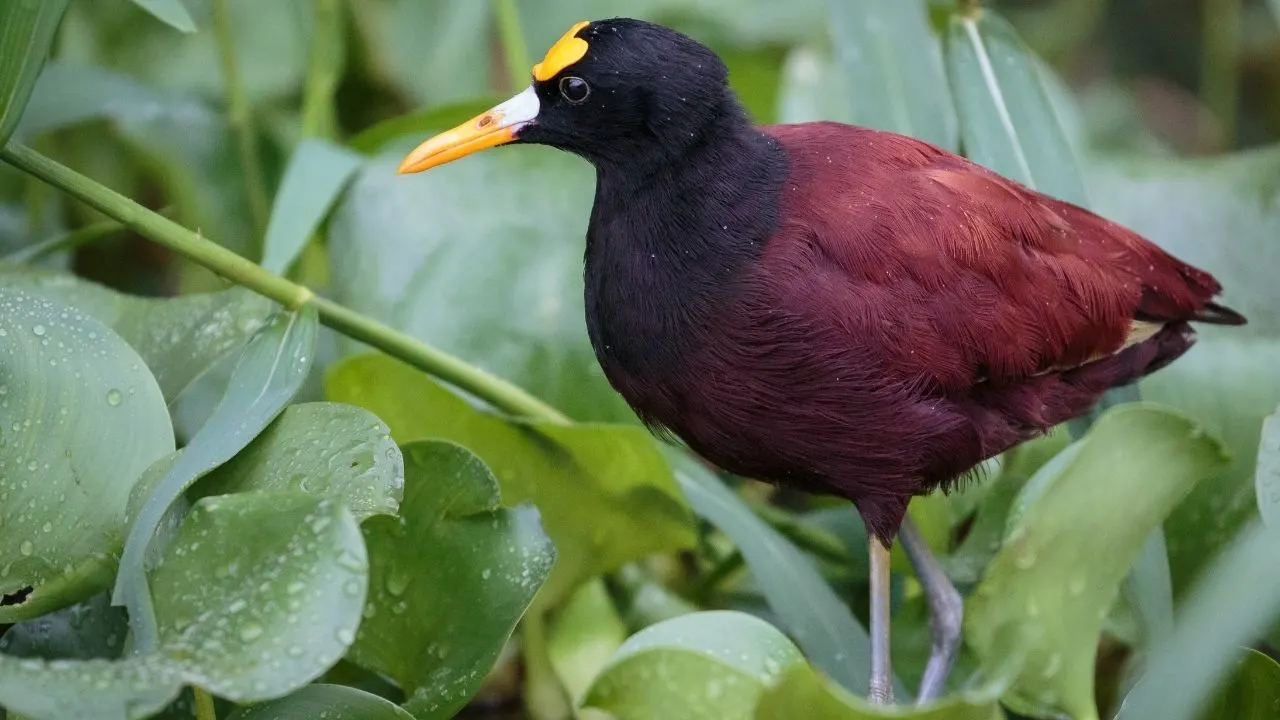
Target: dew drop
345	636
38	330
486	573
351	587
1025	560
250	632
26	548
114	397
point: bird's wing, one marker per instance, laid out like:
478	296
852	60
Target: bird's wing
962	274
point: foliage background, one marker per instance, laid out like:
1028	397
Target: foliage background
1124	578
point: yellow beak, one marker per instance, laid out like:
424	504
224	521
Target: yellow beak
497	126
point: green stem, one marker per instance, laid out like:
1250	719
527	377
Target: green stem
514	49
204	705
241	121
494	390
65	241
1220	72
324	70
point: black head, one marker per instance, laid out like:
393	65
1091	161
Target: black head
616	92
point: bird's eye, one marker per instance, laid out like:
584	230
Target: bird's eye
574	89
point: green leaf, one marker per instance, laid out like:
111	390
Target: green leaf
328	449
316	174
269	373
331	702
710	664
813	89
27	28
605	493
86	630
419	123
892	62
184	139
171	12
1219	214
1268	471
131	689
822	699
482	258
180	338
1007	122
260	593
585	632
1252	693
1067	539
80	419
1235	600
807	607
449	579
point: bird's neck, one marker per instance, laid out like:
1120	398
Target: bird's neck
668	241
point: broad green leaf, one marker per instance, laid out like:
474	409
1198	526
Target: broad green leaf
803	687
1221	214
338	451
316	174
179	337
808	609
84	631
184	139
1007	122
330	702
605	493
755	75
169	12
128	689
269	373
711	664
27	28
812	88
584	633
260	593
449	579
1268	470
1275	9
1061	565
482	258
1232	603
892	62
80	419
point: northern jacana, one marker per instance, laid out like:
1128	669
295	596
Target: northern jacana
827	306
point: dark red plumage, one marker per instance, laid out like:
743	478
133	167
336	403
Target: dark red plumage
912	315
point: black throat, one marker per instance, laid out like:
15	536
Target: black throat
671	232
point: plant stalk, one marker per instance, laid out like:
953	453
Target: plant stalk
1220	68
514	49
241	120
969	8
66	241
324	70
204	704
499	393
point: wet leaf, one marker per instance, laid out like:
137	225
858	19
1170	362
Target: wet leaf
605	494
316	174
87	630
1227	382
502	289
1268	471
268	375
449	579
1064	538
806	606
131	689
891	61
585	632
180	338
1007	121
331	702
27	28
80	419
1251	693
1234	602
803	687
711	664
260	593
329	449
170	12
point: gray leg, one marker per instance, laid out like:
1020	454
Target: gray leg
881	690
946	611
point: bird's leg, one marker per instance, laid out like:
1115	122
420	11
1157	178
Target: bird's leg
881	688
946	611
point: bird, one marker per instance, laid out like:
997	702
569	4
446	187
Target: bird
840	309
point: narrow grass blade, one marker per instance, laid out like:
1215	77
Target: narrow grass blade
27	28
316	175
